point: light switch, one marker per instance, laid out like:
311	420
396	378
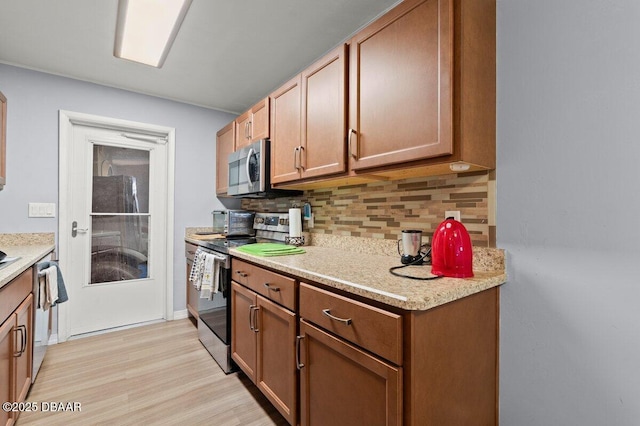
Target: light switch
42	209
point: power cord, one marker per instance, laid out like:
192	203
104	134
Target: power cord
415	262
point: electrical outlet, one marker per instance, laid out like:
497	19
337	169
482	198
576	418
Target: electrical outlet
452	213
42	209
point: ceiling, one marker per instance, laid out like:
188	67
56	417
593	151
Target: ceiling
227	56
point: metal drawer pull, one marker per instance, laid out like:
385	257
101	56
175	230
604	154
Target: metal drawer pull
268	286
242	274
299	365
327	312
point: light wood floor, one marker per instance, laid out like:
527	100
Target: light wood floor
157	374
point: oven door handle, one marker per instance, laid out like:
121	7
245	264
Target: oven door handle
251	152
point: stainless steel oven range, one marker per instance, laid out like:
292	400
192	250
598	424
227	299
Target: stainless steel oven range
214	316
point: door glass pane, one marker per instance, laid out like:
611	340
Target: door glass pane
120	214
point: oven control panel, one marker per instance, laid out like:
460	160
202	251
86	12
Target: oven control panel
276	222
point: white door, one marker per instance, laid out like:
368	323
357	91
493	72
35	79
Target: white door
113	226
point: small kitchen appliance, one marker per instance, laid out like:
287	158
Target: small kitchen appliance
451	252
249	173
411	247
233	223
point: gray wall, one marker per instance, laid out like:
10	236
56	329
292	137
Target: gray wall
568	208
34	100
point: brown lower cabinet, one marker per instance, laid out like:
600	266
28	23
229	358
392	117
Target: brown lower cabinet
16	347
262	344
355	361
341	384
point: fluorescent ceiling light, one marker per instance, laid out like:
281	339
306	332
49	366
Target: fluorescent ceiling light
146	29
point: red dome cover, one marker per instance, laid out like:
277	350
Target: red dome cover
451	252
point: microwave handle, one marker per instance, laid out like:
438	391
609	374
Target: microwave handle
251	152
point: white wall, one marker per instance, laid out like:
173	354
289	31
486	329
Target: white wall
568	209
34	100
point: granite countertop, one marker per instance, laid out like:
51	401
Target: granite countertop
361	266
368	275
30	248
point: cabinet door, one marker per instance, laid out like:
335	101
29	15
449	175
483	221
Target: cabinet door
285	132
24	362
3	140
224	146
324	117
342	385
6	366
259	124
242	132
243	336
277	374
400	89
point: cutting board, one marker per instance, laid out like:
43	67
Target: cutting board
270	249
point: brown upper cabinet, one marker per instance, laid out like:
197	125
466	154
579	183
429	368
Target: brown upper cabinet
285	131
224	146
420	97
253	124
400	87
421	94
3	140
413	94
308	121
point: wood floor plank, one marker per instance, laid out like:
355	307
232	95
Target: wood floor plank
157	374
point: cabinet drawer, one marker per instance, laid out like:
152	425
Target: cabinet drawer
269	284
240	271
371	328
13	293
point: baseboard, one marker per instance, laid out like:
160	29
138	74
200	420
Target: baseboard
177	315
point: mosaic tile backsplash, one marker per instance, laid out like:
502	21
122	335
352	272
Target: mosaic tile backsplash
384	209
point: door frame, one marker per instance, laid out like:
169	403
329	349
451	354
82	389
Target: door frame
67	119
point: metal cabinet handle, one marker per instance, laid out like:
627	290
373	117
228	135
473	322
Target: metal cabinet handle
299	365
353	153
255	319
19	328
327	312
271	288
24	339
300	149
251	327
242	274
250	131
295	158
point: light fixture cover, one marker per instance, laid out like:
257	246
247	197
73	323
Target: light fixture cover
146	29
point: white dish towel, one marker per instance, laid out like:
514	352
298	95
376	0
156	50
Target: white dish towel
205	273
48	287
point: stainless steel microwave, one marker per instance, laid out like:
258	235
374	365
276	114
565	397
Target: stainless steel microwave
249	172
